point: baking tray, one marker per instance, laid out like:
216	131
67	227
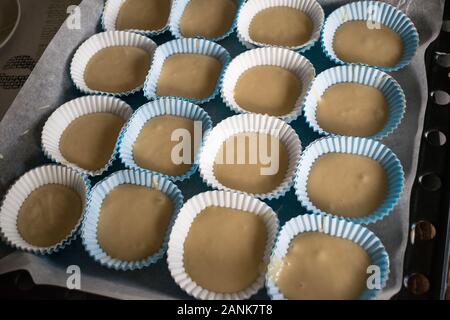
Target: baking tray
426	267
49	86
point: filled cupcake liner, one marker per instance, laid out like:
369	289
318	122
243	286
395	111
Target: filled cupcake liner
287	59
190	210
62	117
98	42
358	146
245	123
375	11
23	187
150	110
363	75
177	13
111	12
252	7
179	46
332	226
100	191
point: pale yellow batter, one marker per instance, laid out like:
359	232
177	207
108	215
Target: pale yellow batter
117	69
207	18
133	222
153	147
355	42
224	249
49	214
189	75
322	267
246	162
268	90
352	109
143	14
89	140
281	26
347	185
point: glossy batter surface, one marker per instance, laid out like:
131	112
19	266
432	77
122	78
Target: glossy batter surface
154	146
347	185
355	42
189	75
143	14
352	109
224	249
246	162
49	214
281	26
89	140
207	18
322	267
133	222
268	90
117	69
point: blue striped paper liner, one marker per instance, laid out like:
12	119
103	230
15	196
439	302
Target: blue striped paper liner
71	111
386	14
310	7
177	13
148	33
362	75
29	182
98	42
358	146
100	191
332	226
287	59
159	107
185	45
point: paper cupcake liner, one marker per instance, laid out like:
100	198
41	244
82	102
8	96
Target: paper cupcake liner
159	107
287	59
190	210
96	197
375	11
177	13
62	117
185	45
335	227
22	188
252	7
358	146
111	12
362	75
100	41
250	122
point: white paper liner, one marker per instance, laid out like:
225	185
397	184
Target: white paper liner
190	210
332	226
21	189
99	193
252	7
62	117
287	59
363	75
100	41
177	13
250	122
111	12
358	146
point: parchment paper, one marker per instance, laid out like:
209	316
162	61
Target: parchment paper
49	86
